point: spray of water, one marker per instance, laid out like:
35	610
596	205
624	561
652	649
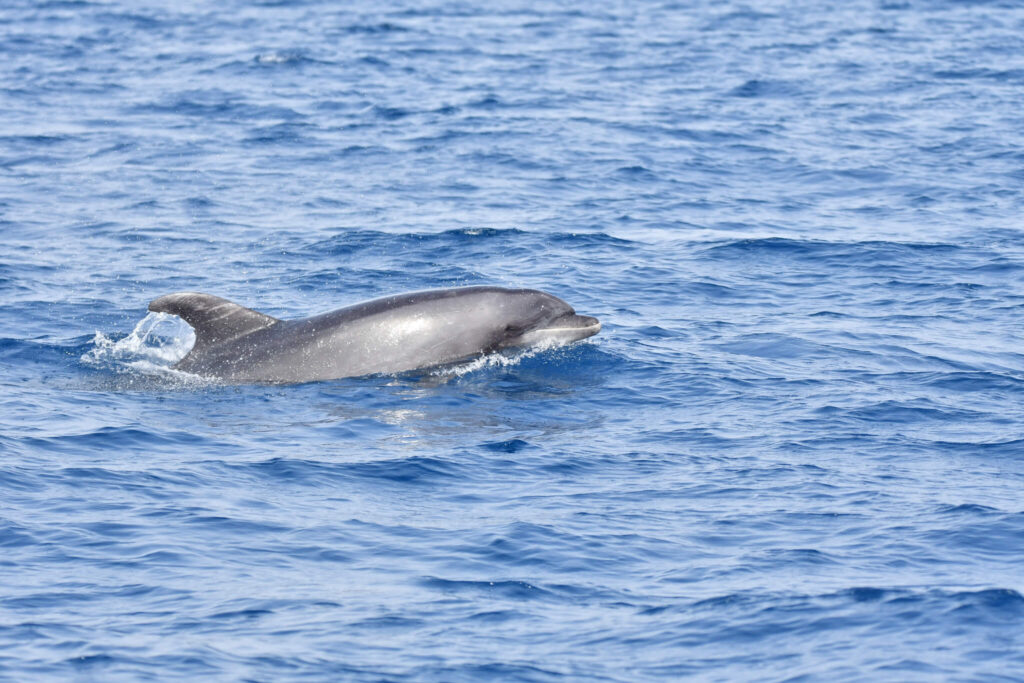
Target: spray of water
505	359
158	341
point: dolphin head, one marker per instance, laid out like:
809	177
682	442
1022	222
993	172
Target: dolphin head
535	318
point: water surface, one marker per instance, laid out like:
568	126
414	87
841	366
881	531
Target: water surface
795	449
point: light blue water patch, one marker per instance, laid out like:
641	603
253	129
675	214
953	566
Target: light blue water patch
795	449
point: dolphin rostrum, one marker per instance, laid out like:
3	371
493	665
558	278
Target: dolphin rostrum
389	335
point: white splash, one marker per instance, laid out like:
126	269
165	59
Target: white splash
275	58
504	359
158	341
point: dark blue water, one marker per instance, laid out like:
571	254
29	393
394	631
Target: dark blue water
796	450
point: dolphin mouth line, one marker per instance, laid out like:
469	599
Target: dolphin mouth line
567	329
595	326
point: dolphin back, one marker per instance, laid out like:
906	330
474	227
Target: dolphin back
215	320
393	334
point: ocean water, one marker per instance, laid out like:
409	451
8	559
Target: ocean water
794	452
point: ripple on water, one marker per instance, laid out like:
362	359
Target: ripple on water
792	452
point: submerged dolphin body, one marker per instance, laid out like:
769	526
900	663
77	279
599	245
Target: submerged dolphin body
389	335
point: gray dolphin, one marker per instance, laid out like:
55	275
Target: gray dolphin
389	335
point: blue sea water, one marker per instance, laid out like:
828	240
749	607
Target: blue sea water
795	451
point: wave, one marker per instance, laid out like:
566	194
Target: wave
768	246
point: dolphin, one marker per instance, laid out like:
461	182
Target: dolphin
389	335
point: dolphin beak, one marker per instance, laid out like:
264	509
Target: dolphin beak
563	330
582	324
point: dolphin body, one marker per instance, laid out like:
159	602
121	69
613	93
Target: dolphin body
389	335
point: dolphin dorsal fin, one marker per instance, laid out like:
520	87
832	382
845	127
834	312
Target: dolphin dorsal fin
214	319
